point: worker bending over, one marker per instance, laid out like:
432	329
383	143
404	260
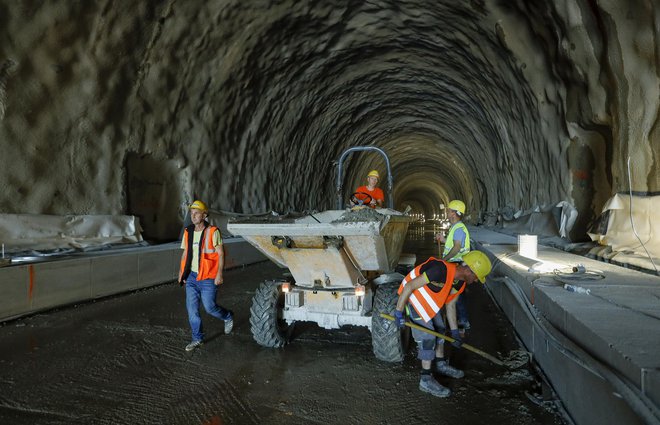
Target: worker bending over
422	294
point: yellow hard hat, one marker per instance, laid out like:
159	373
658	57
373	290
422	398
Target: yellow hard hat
373	173
457	205
199	205
479	263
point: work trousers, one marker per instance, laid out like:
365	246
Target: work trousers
206	291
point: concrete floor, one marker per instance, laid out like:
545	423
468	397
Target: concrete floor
121	360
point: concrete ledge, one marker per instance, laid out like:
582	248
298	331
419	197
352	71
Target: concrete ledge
600	351
29	288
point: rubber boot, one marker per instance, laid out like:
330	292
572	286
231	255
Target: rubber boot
428	384
443	368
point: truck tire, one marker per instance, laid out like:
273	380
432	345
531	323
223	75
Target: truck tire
389	342
267	329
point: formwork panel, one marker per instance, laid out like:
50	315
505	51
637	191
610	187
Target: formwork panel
61	282
549	308
237	253
15	291
158	267
113	274
589	398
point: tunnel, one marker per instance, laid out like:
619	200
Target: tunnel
130	111
122	109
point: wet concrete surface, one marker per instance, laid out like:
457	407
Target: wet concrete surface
121	360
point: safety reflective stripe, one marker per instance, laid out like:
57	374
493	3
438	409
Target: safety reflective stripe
208	259
208	238
208	256
427	297
419	308
427	303
413	274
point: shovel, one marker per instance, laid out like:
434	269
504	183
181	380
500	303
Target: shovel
449	339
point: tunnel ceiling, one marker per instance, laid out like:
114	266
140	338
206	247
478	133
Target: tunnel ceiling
138	108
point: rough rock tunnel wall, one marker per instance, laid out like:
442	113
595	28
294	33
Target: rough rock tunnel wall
115	107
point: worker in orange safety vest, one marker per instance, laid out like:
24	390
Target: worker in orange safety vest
202	262
428	288
370	194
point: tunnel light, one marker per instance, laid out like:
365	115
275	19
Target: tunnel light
528	246
359	291
286	287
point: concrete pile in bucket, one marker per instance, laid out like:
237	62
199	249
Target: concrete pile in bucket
360	215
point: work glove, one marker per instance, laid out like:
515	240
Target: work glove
398	319
456	334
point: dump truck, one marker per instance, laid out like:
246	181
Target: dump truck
341	270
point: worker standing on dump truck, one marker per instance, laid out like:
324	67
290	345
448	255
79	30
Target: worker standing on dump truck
457	244
422	294
370	194
202	262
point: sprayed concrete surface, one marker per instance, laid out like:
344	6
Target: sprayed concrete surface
122	361
138	108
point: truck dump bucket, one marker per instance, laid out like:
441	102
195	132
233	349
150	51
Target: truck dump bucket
330	249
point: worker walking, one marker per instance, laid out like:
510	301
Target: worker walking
202	262
457	244
423	292
369	194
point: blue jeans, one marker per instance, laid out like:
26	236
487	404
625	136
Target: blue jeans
426	343
206	291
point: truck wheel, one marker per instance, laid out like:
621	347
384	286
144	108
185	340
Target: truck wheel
267	329
389	342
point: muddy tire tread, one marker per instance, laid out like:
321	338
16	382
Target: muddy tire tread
263	316
386	337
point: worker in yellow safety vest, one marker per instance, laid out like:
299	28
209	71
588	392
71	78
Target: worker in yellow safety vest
456	245
428	288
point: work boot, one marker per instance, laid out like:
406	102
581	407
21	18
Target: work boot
443	368
229	325
428	384
193	345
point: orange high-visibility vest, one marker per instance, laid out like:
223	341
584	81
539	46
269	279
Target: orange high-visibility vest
208	256
426	302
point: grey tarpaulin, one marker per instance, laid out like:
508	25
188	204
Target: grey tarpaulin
620	236
20	232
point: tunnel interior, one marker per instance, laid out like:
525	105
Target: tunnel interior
139	109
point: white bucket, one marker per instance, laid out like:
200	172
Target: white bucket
527	246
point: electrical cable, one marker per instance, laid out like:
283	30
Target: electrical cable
632	223
575	276
569	278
